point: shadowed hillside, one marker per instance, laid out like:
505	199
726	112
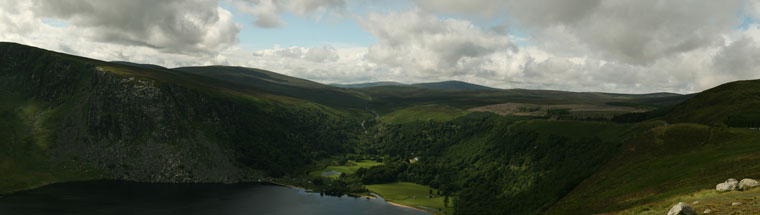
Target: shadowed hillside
71	118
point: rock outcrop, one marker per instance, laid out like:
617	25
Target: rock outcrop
747	183
728	185
681	209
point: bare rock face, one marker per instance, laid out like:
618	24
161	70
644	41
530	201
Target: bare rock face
681	209
747	183
729	185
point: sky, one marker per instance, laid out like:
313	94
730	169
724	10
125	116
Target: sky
624	46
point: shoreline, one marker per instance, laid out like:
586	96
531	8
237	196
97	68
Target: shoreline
411	207
284	185
369	196
406	206
360	196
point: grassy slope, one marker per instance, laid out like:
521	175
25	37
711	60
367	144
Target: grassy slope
666	162
411	194
715	106
717	202
23	148
673	161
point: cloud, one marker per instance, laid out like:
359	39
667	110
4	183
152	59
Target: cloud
173	26
322	54
324	64
426	46
268	12
635	32
577	52
614	46
739	59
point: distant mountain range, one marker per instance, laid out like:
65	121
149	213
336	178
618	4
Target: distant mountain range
443	85
369	84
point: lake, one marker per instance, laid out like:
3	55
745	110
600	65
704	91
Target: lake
119	197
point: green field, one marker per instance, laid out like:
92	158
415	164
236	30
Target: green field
411	194
348	169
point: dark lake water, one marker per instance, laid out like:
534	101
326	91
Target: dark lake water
117	197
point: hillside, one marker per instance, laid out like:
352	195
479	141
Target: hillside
735	104
677	161
71	118
147	66
278	84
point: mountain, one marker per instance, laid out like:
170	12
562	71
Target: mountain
444	85
493	151
368	84
147	66
735	104
452	85
277	84
70	118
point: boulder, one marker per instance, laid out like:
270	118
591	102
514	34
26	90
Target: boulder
707	211
729	185
746	184
736	203
681	209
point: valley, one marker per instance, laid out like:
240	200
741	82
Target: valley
487	151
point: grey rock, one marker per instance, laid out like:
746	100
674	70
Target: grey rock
695	202
681	209
729	185
736	203
747	183
707	211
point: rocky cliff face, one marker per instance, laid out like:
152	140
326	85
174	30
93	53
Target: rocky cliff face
137	129
105	121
